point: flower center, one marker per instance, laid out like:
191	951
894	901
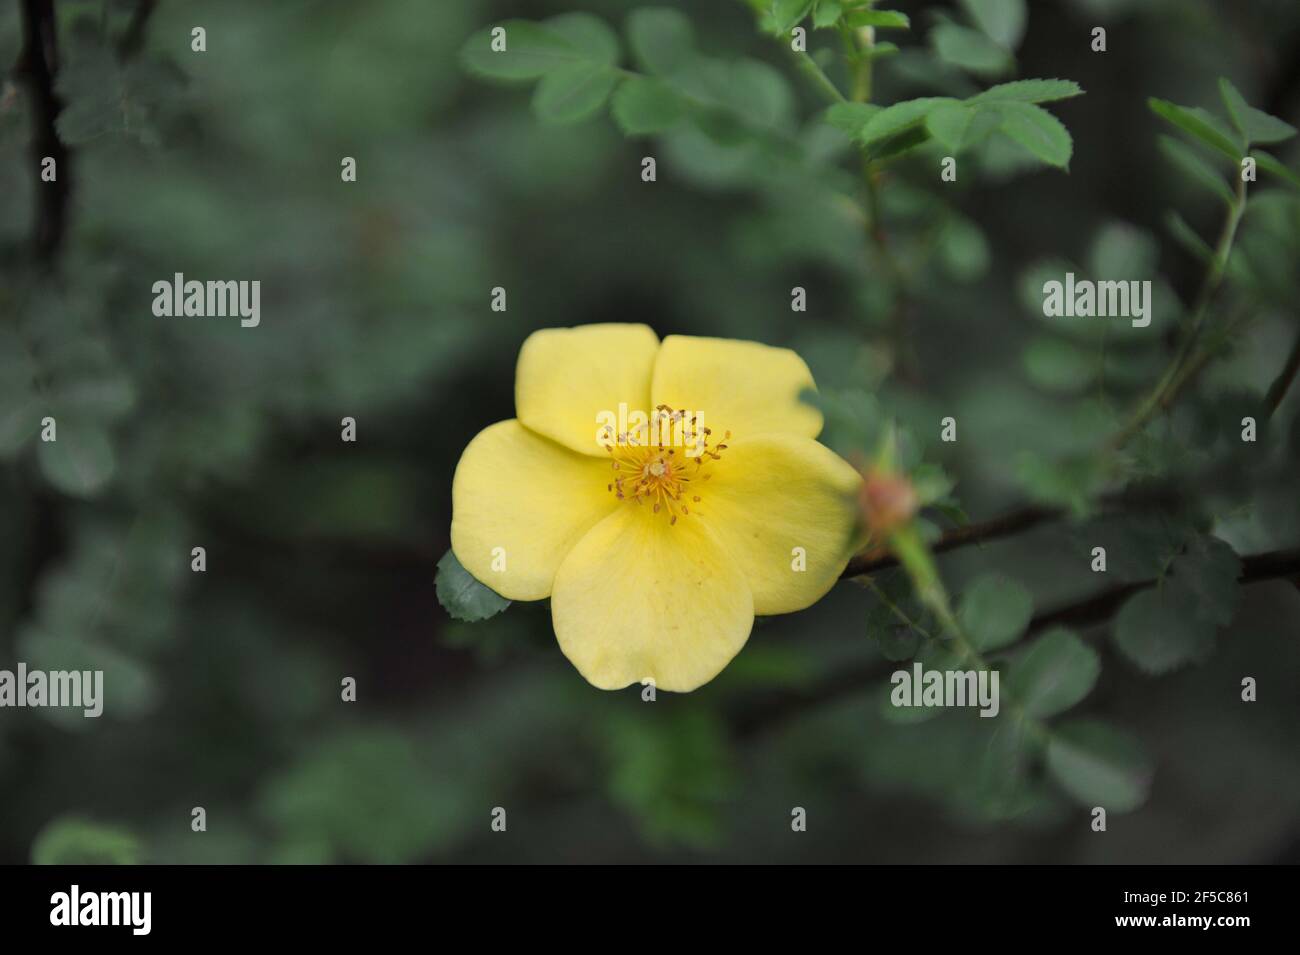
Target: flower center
662	462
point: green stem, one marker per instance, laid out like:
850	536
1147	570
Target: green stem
861	63
1161	397
966	652
821	82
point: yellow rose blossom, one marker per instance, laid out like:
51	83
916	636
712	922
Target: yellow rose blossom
658	545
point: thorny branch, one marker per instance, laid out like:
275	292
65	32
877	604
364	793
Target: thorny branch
772	710
873	561
1187	363
37	67
1277	391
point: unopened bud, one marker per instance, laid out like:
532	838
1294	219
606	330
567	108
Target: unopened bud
888	501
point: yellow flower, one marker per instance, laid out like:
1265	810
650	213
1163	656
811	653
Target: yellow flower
657	542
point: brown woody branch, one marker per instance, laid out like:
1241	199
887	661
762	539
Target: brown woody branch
1277	391
873	561
772	710
1273	565
37	67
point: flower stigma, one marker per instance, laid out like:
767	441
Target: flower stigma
664	461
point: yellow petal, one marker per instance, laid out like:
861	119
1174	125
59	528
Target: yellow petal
533	499
638	599
772	494
567	378
743	387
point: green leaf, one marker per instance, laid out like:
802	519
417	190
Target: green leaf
1099	765
1159	632
1055	364
104	96
1195	167
1121	251
759	93
1003	21
994	611
1029	91
949	124
736	98
18	423
1038	131
644	105
1186	236
532	51
587	34
1139	546
1071	482
786	14
573	54
99	395
850	117
963	249
1205	578
660	38
72	840
75	642
80	462
674	775
896	587
902	143
1271	164
1255	126
1200	124
1054	674
895	119
573	93
1000	784
970	50
827	14
931	482
880	19
20	407
932	656
366	793
462	596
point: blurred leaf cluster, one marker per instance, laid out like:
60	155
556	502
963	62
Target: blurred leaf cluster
778	165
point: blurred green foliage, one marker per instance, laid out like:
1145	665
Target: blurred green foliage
223	688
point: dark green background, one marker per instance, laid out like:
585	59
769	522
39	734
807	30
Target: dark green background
223	688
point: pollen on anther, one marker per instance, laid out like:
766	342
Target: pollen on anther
647	469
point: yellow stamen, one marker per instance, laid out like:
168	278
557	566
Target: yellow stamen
648	469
